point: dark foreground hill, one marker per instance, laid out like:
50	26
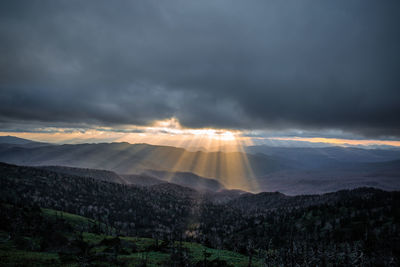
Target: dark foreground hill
101	175
347	228
147	178
187	179
46	237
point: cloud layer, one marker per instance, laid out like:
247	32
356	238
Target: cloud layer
259	65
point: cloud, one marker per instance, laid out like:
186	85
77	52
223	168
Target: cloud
260	65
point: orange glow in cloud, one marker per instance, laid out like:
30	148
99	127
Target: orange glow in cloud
340	142
165	132
170	132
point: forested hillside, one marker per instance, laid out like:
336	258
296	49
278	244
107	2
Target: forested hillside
358	227
31	236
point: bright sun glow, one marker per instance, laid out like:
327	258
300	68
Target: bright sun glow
170	132
165	132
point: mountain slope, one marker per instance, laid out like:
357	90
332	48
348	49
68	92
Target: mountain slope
187	179
288	170
48	237
141	179
101	175
16	141
327	156
136	158
147	179
350	226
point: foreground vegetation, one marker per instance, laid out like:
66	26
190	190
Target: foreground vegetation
53	238
358	227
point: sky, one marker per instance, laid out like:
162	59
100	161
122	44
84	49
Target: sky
155	71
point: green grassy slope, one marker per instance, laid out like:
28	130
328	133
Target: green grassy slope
101	250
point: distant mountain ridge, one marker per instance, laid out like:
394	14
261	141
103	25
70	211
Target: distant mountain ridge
16	141
291	171
128	158
327	156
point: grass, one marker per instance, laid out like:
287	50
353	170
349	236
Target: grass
153	258
156	258
229	256
74	219
11	256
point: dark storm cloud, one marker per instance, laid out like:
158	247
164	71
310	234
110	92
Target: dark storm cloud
240	64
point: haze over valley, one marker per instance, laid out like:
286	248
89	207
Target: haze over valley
291	171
